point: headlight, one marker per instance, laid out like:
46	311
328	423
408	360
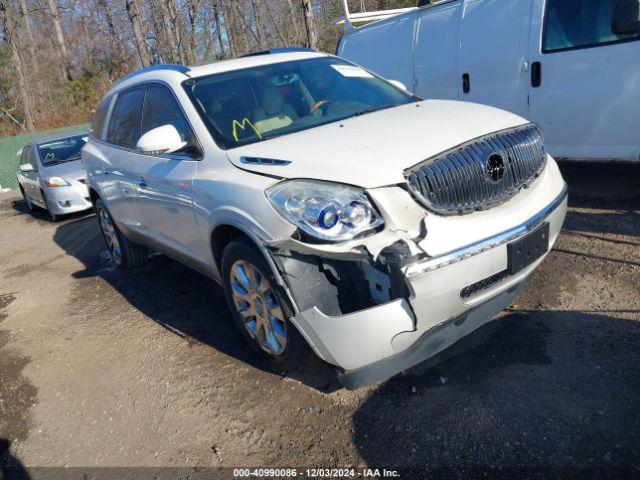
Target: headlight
56	182
325	210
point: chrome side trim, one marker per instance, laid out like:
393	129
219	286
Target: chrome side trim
486	244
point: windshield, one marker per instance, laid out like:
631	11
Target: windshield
61	150
255	104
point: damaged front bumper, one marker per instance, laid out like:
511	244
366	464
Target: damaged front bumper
373	325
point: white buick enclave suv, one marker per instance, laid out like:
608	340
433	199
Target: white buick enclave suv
341	214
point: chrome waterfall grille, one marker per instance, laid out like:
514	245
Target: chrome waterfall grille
481	173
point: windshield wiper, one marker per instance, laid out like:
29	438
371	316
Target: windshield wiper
373	109
59	162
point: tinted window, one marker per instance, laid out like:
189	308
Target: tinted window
62	150
31	158
255	104
161	108
573	24
124	126
23	156
97	124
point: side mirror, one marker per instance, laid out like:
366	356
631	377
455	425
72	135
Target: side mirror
399	84
626	17
26	167
164	139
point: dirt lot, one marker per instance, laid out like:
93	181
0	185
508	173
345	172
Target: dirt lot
102	369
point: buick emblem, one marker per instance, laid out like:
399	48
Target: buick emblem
495	167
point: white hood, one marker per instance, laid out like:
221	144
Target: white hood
373	150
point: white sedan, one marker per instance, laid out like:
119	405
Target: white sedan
51	177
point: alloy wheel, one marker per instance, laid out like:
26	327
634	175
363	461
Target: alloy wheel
110	237
258	305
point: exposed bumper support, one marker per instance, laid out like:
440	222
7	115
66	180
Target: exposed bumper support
433	341
373	344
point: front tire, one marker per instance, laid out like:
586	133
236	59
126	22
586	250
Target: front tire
52	216
260	309
124	253
26	200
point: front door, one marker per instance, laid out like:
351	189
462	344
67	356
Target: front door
494	46
31	180
165	182
587	97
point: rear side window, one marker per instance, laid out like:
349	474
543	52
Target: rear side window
97	124
573	24
161	108
124	126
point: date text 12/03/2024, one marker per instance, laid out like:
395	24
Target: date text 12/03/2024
315	473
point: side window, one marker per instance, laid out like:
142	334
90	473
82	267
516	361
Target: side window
161	108
97	124
124	125
589	23
31	158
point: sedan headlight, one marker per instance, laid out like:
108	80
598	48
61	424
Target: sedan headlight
56	182
324	210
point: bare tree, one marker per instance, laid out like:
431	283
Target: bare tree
133	9
9	29
309	21
60	39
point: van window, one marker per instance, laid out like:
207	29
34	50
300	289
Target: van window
124	126
161	108
97	124
577	24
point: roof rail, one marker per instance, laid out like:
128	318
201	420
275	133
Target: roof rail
273	51
350	19
156	68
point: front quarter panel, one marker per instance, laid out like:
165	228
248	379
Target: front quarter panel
225	195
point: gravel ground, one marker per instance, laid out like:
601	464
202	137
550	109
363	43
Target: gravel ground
102	369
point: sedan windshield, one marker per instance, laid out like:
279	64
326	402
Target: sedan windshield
62	150
255	104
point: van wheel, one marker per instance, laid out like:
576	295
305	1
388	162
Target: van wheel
260	309
124	253
26	200
52	216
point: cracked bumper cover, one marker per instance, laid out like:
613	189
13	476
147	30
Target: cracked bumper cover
373	344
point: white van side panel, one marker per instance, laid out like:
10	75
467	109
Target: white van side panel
437	50
494	44
385	48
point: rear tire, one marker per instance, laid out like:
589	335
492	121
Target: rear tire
124	253
261	309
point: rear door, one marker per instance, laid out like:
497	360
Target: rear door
118	176
587	95
494	46
437	47
165	182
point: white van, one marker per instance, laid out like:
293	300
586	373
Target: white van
571	66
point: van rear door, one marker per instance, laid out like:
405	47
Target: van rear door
385	48
586	96
494	40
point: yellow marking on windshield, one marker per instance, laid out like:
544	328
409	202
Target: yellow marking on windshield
242	125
